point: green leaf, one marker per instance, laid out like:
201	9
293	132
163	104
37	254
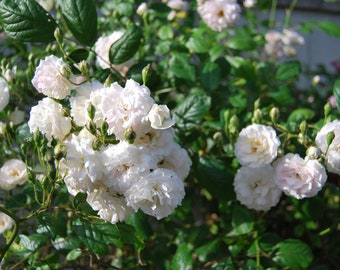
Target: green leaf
79	55
213	175
74	254
293	253
241	42
26	21
33	242
300	114
268	240
96	236
242	221
204	251
210	75
336	92
288	71
330	28
192	110
198	44
125	47
182	259
69	243
179	65
81	18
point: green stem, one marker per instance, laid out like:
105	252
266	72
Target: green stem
289	12
272	14
14	232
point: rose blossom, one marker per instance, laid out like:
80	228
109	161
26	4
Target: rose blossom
256	189
4	94
159	117
6	222
47	117
157	193
298	177
53	78
219	14
332	151
12	173
256	145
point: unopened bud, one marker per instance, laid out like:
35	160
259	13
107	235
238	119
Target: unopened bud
257	104
274	115
226	116
234	124
146	72
65	71
303	127
58	36
60	151
330	137
129	135
301	138
257	117
142	8
91	111
327	109
84	68
313	152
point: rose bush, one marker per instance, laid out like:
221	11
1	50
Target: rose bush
166	135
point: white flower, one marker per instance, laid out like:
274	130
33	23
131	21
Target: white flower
47	117
157	193
9	73
219	14
53	78
127	108
46	4
86	94
249	3
110	207
4	94
256	145
6	222
17	117
332	156
256	189
298	177
12	173
83	165
178	4
142	8
292	38
159	117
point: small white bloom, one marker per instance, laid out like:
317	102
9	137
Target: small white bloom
178	4
4	94
256	145
332	151
47	117
249	3
110	206
12	173
17	117
53	78
292	38
127	108
9	74
159	117
219	14
142	8
298	177
256	189
157	193
6	222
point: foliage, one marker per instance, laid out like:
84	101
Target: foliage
216	84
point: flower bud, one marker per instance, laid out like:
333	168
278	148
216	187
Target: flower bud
257	117
330	137
91	111
146	72
129	135
257	104
327	109
17	117
274	114
234	124
84	68
303	127
313	152
65	71
58	36
142	8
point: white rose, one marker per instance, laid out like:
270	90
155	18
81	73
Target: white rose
12	173
6	222
53	78
4	94
290	37
332	151
256	189
219	14
159	117
110	206
47	117
157	193
256	145
298	177
126	108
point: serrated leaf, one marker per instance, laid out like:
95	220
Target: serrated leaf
96	236
241	42
26	21
192	110
336	92
81	18
182	259
210	75
288	71
293	253
125	47
214	176
198	44
179	65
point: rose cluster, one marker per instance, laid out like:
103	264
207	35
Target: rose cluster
264	176
119	143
